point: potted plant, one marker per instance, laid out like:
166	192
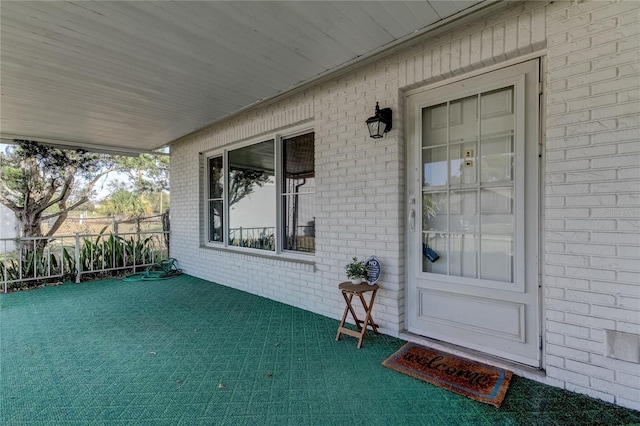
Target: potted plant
356	271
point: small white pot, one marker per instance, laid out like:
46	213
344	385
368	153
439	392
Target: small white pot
357	280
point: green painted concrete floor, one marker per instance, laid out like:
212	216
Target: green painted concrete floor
189	352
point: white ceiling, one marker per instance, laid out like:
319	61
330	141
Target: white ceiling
133	76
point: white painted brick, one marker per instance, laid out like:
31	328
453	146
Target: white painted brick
592	200
570	189
590	248
591	54
627	148
628	95
569	24
563	166
616	212
616	314
588	297
566	306
628	200
589	345
592	273
615	187
605	225
604	396
568	329
571	236
590	321
591	370
615	110
615	85
591	176
629	302
613	387
568	213
567	283
595	101
566	352
615	8
568	376
616	263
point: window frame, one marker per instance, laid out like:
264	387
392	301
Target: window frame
277	138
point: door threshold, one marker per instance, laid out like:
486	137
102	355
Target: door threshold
526	371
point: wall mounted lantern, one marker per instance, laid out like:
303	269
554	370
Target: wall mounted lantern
379	123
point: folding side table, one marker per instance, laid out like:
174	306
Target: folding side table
349	290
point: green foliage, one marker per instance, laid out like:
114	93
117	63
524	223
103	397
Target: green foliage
105	252
35	179
124	202
146	173
113	251
356	269
37	265
40	182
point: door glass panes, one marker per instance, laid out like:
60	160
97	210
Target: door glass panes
434	120
435	252
497	210
496	161
216	183
468	187
496	112
298	193
462	159
252	196
496	258
434	211
463	255
435	166
463	213
463	120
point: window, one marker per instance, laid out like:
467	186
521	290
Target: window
259	201
468	186
216	185
298	193
251	196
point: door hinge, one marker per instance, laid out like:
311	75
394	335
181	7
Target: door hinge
540	88
540	342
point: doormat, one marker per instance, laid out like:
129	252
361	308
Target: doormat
473	379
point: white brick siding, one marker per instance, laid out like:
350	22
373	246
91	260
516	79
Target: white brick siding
591	206
593	67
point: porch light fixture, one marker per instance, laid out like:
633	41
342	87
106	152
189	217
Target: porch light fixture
380	123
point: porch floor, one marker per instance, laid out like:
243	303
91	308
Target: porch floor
188	351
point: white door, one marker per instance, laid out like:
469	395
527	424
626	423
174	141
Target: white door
472	234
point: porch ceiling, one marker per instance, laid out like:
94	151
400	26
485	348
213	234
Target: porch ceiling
133	76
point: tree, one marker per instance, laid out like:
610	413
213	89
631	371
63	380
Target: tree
242	182
35	179
147	173
124	202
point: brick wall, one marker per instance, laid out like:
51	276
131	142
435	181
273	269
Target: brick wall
591	256
592	225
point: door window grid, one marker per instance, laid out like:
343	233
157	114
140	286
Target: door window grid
468	186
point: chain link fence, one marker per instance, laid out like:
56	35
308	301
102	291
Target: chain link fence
95	225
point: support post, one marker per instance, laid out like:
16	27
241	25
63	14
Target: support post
76	256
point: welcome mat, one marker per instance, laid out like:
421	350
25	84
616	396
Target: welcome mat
473	379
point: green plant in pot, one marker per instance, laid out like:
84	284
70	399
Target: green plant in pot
356	271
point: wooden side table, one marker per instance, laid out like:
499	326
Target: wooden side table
349	290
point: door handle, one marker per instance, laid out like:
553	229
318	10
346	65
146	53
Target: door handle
412	220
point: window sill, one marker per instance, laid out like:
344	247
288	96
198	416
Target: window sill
284	257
